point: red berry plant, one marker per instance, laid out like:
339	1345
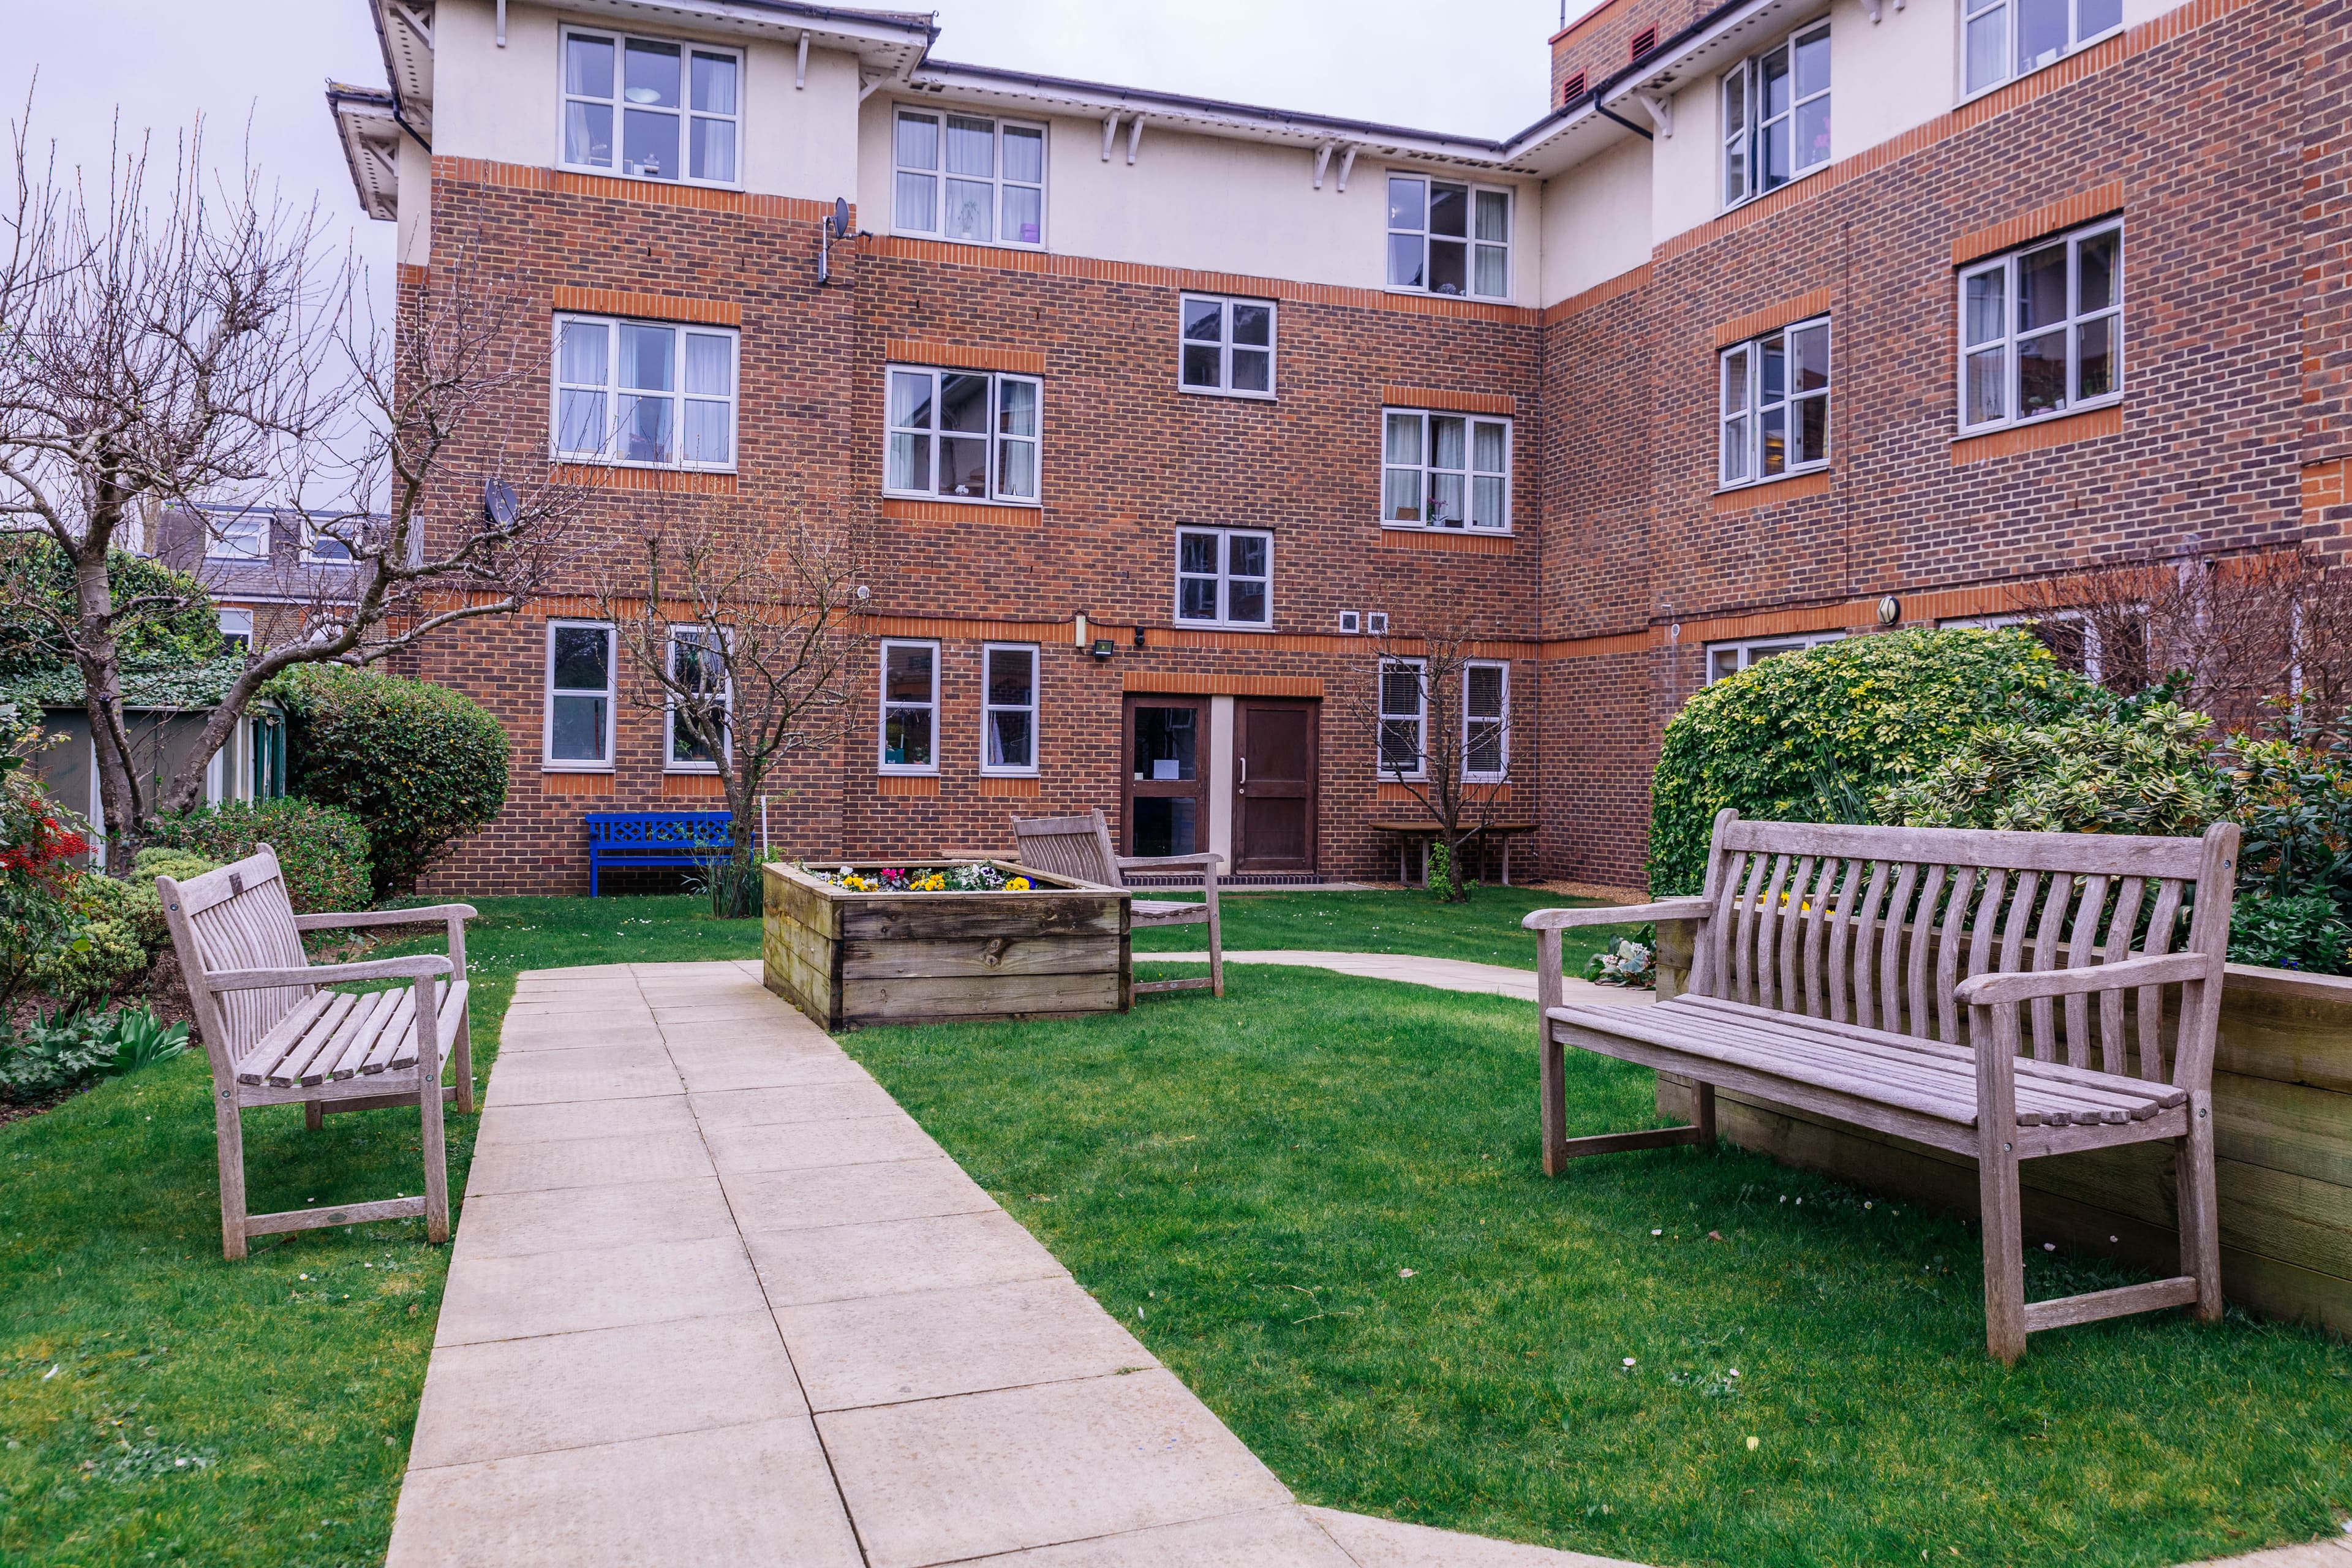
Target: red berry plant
44	900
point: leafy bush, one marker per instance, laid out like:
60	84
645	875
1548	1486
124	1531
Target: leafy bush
1813	736
183	630
62	1050
322	849
419	765
147	907
2111	769
2294	804
2301	930
45	900
105	955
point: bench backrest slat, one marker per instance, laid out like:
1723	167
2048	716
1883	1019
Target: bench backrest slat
1076	847
238	917
1877	926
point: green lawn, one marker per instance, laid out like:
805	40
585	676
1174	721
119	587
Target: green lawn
1320	1202
1483	931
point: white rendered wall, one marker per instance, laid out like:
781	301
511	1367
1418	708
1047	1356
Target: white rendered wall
1596	220
414	243
1887	76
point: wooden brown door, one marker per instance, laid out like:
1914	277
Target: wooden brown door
1275	758
1166	774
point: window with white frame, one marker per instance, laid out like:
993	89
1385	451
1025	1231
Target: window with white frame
698	672
328	540
910	707
237	629
1224	576
644	393
579	695
1008	709
1776	115
1449	238
2041	330
651	107
967	177
964	434
1775	395
2075	641
1404	718
1725	658
1227	345
2008	39
1485	721
240	533
1444	470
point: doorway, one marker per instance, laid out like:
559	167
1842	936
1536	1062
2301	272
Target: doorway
1276	757
1167	775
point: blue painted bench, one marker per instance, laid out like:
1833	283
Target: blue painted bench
630	840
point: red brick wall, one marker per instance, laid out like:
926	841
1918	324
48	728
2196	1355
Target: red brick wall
1600	42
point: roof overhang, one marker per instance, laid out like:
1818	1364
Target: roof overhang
887	44
367	125
1712	44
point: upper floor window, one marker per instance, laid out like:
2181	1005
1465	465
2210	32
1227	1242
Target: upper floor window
1449	238
1008	713
1725	658
643	394
1224	576
969	435
329	541
1776	403
237	629
910	704
579	719
1442	470
1485	721
2041	330
967	177
1227	346
236	534
652	109
2008	39
1776	115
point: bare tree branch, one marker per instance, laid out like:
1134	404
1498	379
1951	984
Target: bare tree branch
1451	756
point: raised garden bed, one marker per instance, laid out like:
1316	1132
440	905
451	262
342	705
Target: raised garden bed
854	951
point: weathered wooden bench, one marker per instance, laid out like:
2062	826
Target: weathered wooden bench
630	840
1977	992
1080	847
277	1036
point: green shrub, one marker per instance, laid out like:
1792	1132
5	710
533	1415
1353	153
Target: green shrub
146	907
2111	769
61	1050
1814	736
324	850
180	629
105	955
2301	930
2294	804
419	765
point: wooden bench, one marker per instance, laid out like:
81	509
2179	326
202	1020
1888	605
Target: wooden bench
1975	992
1421	833
277	1036
1080	847
629	840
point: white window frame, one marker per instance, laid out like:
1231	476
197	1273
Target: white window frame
1226	346
608	455
1427	467
314	529
2089	627
1741	364
997	437
1745	138
1470	243
259	522
1225	578
686	113
1502	723
2005	266
671	762
997	179
882	711
1749	650
234	622
2013	68
1419	718
548	760
989	707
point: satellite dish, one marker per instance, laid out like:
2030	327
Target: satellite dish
498	503
841	217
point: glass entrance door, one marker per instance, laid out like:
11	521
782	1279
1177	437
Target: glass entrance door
1167	775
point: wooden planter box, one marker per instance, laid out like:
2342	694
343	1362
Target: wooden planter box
2283	1147
848	959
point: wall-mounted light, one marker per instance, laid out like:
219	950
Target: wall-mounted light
1890	610
1103	649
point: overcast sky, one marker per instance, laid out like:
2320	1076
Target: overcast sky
1477	67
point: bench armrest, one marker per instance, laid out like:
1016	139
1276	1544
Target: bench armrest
431	914
2027	985
1621	914
412	968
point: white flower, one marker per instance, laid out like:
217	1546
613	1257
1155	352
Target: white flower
1629	1364
1405	1273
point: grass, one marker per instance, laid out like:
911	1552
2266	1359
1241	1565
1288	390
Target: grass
1483	931
1320	1202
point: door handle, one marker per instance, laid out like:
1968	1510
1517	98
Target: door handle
1244	784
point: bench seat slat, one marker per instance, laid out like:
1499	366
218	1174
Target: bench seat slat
283	1036
315	1038
361	1039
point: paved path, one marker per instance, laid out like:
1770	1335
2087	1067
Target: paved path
1447	974
716	1298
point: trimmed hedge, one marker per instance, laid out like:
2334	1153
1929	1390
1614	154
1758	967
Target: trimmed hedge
1815	736
2148	771
419	765
322	849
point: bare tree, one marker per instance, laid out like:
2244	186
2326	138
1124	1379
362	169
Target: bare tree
161	348
1438	714
744	633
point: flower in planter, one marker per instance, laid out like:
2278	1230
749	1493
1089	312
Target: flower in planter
1017	885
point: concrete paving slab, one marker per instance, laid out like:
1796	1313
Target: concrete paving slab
605	1288
1388	1543
598	1072
752	1009
799	1102
798	1145
883	1350
574	1219
838	1262
853	1195
732	1497
630	1157
1266	1538
505	1126
777	1067
566	1039
510	1397
943	1479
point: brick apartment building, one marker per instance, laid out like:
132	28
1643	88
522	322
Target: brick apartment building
1790	319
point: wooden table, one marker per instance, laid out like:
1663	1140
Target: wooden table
1424	831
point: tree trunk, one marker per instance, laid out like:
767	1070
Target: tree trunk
120	800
